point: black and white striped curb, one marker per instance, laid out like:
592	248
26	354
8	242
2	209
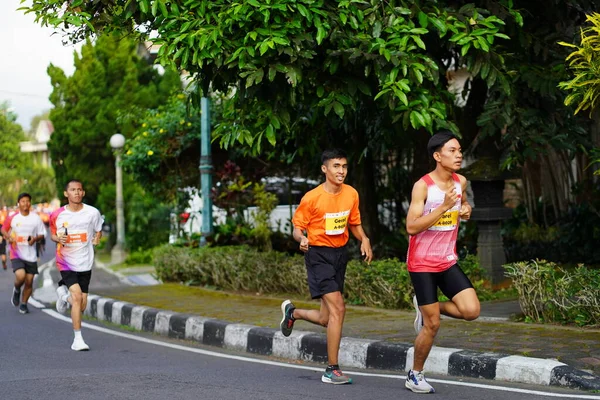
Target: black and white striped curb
354	353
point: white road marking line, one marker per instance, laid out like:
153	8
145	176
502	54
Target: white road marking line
56	315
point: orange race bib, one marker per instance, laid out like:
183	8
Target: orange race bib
21	239
76	237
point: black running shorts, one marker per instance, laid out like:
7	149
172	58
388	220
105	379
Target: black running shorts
82	278
28	266
451	282
325	269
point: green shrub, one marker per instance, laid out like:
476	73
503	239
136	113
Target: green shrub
550	293
385	283
139	257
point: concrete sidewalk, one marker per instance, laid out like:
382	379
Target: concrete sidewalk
491	347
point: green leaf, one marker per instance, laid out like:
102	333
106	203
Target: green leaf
503	36
423	20
483	43
416	119
402	96
264	47
419	42
163	8
270	134
465	49
418	75
364	88
377	29
439	25
339	109
154	7
457	36
144	6
320	91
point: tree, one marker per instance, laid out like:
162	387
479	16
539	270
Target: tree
13	163
362	75
111	85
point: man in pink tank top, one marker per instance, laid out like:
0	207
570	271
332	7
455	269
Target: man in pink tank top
437	205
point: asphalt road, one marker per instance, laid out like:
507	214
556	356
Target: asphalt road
36	362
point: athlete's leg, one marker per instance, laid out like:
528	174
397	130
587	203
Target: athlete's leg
19	278
425	338
28	287
334	302
319	317
76	301
463	303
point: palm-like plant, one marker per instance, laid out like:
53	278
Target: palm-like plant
584	62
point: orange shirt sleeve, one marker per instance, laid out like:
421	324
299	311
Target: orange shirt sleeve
354	211
301	217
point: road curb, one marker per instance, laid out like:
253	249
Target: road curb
354	353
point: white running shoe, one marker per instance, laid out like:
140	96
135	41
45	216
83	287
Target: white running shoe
61	305
418	324
417	383
79	345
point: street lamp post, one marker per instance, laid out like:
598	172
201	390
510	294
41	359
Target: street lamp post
117	254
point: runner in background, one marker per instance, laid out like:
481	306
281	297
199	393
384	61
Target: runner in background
76	228
22	231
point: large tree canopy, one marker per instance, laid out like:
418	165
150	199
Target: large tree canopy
110	86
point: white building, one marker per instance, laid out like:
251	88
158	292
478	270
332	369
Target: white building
38	147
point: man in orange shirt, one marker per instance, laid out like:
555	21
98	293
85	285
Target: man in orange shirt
326	214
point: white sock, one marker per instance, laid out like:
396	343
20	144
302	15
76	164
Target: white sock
78	334
65	297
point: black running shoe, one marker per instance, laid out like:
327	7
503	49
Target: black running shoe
287	322
16	297
23	309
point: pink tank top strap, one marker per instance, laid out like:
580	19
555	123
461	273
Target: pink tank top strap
428	180
455	177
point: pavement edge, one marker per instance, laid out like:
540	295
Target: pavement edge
354	353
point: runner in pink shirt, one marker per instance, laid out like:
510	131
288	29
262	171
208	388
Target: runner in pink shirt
437	205
77	228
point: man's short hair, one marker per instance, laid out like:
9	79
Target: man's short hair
332	154
437	141
21	195
73	181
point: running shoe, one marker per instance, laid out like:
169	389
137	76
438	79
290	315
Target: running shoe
287	322
23	309
417	383
418	324
16	297
335	377
61	303
79	345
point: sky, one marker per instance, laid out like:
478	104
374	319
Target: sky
26	51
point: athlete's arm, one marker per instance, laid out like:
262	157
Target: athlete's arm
301	238
365	244
416	222
4	233
465	206
97	237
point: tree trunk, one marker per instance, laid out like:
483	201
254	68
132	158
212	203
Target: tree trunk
363	175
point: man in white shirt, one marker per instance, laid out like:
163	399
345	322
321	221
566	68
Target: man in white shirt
22	230
77	228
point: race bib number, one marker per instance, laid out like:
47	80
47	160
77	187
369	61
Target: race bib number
76	237
22	240
335	223
447	221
